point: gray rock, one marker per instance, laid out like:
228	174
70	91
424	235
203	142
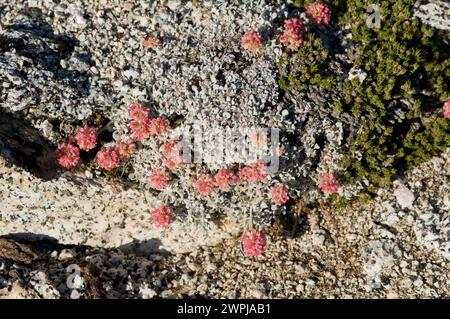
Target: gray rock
44	69
358	74
405	197
436	13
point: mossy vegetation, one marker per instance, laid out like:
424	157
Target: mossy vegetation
398	106
399	103
307	67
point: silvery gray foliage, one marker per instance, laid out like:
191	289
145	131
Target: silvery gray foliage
200	78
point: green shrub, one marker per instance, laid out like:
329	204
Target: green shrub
408	71
307	67
398	107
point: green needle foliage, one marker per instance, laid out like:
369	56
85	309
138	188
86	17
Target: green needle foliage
307	67
399	105
408	74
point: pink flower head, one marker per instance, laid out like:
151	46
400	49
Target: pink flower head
162	216
328	183
446	108
319	12
293	24
224	178
138	111
279	194
125	149
141	129
86	138
68	155
204	185
159	178
172	152
169	148
159	126
108	158
254	242
171	164
253	173
292	37
252	42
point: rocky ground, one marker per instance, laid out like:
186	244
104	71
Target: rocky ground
396	245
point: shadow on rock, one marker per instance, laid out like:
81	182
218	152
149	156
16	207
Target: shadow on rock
24	146
130	271
33	38
144	248
41	244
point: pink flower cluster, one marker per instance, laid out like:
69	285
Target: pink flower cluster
111	157
292	37
328	183
159	178
86	138
108	158
204	185
68	155
138	111
162	216
446	108
254	242
252	42
224	178
319	12
253	173
279	194
125	149
159	126
172	152
142	126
